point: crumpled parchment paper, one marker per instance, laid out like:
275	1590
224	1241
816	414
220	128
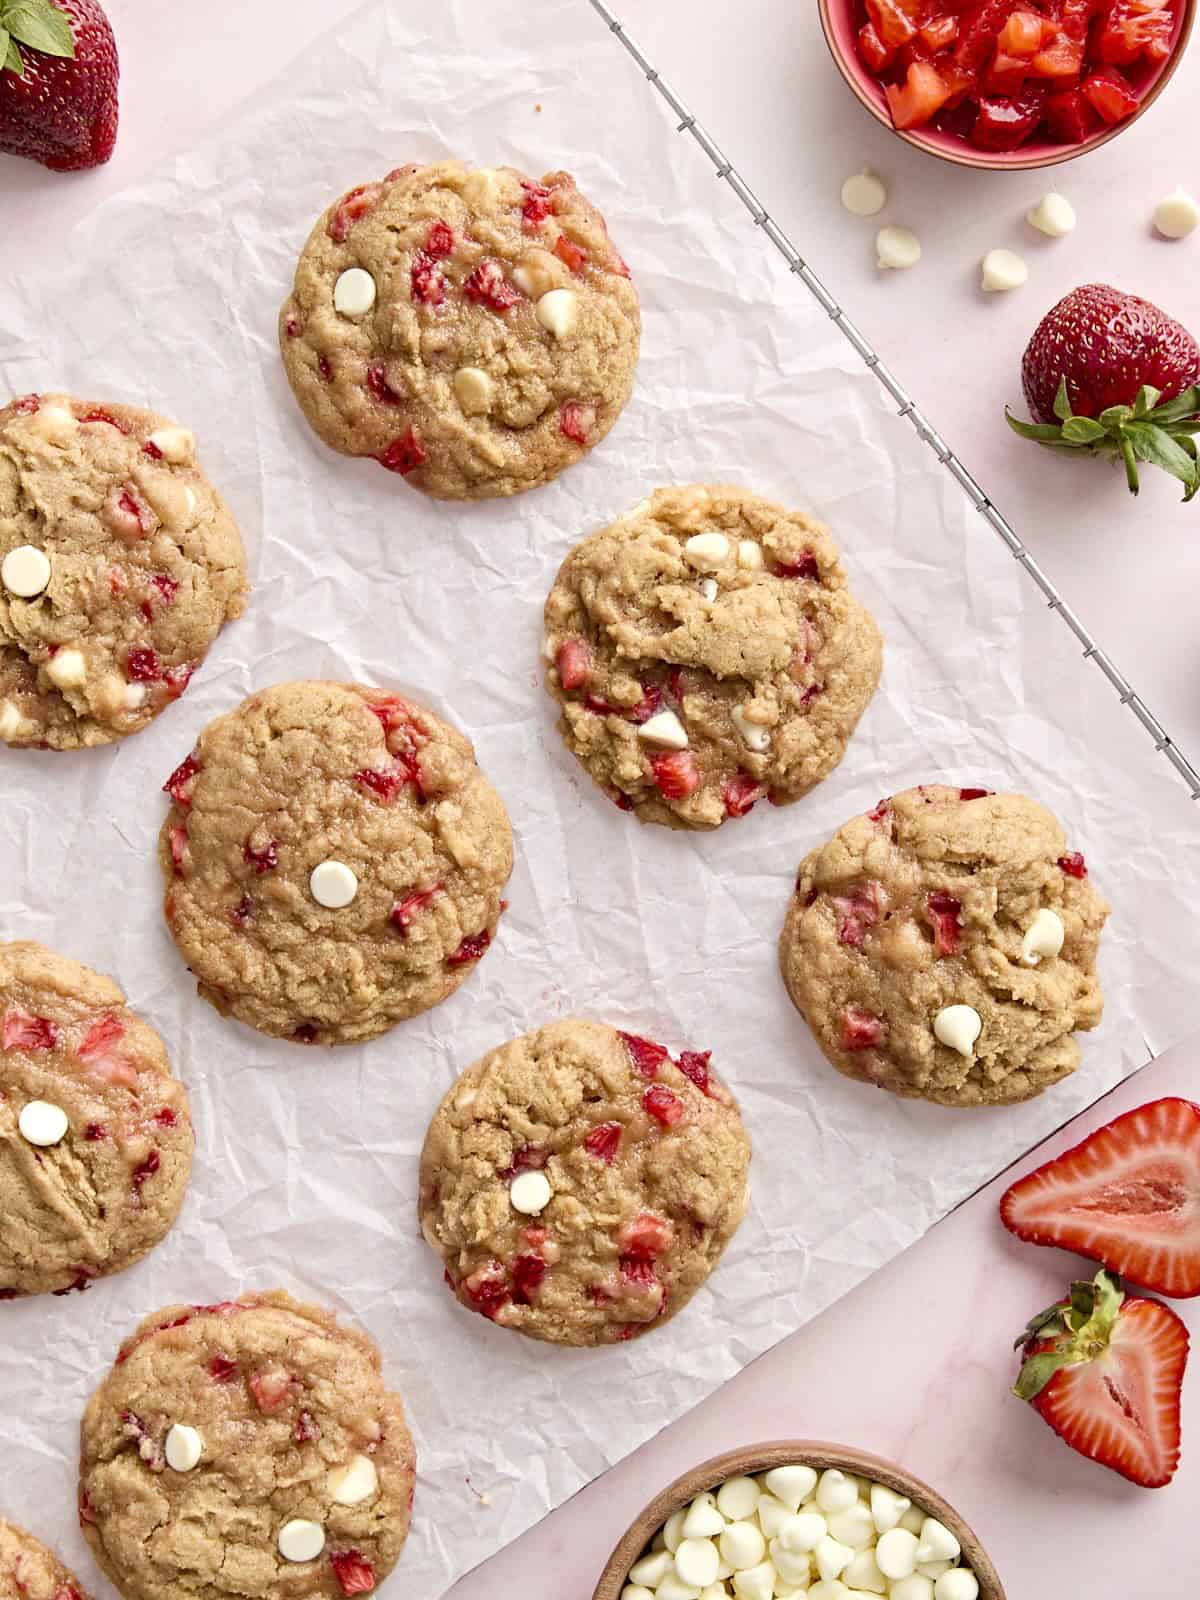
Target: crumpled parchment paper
306	1167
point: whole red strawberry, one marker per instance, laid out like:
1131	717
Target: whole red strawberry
1111	374
58	83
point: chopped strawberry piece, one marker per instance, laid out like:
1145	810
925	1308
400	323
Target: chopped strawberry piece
306	1429
891	22
1004	123
974	794
944	913
165	1117
574	662
914	102
537	206
406	911
128	514
647	1056
487	286
571	254
151	449
740	793
1109	95
604	1141
262	857
439	241
528	1158
663	1105
1073	865
676	774
427	283
353	206
178	838
470	949
100	1038
872	49
528	1270
977	29
487	1290
802	566
166	586
575	421
1069	118
646	1236
324	368
386	782
178	678
1061	58
146	1169
270	1388
858	912
143	666
182	781
880	812
25	405
243	912
353	1571
861	1030
1132	30
95	1131
222	1370
293	325
99	415
405	453
638	1270
23	1031
939	33
694	1065
651	701
379	386
1021	34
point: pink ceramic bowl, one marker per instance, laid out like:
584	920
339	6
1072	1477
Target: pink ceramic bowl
841	20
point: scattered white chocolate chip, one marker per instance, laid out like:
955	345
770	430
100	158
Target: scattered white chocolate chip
709	588
652	1569
697	1561
301	1540
835	1491
176	445
355	1482
42	1124
1054	215
887	1507
772	1514
1176	215
473	390
1002	270
863	1574
557	310
752	735
183	1447
896	248
913	1519
1043	937
10	720
803	1532
664	728
134	696
853	1526
957	1027
863	194
67	669
702	1520
832	1557
791	1567
707	551
737	1498
756	1583
25	571
332	884
742	1545
937	1543
750	554
673	1531
530	1192
354	292
55	423
896	1553
792	1485
960	1583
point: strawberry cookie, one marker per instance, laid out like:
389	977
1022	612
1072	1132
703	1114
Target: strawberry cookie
334	861
706	652
28	1571
580	1184
245	1448
119	565
471	330
95	1135
943	946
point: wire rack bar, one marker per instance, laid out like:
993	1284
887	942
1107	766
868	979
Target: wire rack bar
907	407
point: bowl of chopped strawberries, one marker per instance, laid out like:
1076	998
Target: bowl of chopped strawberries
1007	83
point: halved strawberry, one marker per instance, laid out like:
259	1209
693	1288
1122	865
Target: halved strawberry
1105	1370
1128	1196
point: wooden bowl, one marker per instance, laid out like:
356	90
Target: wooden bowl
839	22
753	1459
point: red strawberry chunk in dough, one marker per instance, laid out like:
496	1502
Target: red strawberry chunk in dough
262	857
647	1236
178	678
151	449
570	253
638	1270
353	1571
663	1105
165	1117
647	1055
379	386
574	663
306	1428
243	912
100	1038
740	793
426	280
487	1290
95	1131
858	912
146	1169
128	514
439	241
945	913
143	666
651	701
406	911
861	1030
802	566
528	1271
166	586
178	838
26	405
23	1031
222	1370
324	368
487	286
99	415
576	420
270	1388
676	774
604	1141
386	782
353	206
1073	865
529	1158
694	1065
405	453
973	794
880	812
182	781
472	947
538	206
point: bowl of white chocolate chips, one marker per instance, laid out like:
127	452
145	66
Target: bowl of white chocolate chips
802	1519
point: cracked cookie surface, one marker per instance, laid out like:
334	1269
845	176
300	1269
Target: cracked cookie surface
933	900
120	565
29	1571
472	330
706	653
109	1185
273	1414
646	1162
308	773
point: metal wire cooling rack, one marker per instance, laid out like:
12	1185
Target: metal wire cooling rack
725	169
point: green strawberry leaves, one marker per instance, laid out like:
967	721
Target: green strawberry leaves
38	25
1081	1330
1160	435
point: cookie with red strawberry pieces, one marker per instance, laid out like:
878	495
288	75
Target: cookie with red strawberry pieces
943	946
334	861
95	1135
119	565
29	1571
581	1183
472	330
246	1448
706	653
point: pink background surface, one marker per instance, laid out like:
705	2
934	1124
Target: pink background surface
915	1364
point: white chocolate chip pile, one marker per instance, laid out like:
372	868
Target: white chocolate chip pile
796	1532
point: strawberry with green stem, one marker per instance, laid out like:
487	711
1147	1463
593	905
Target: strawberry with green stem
58	83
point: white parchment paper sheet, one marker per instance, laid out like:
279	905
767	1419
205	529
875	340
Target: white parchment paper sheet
306	1167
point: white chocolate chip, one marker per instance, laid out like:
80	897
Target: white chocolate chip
189	496
67	669
355	1482
957	1584
887	1507
557	310
896	1553
176	445
957	1027
673	1588
183	1447
853	1526
529	1193
55	423
835	1491
937	1543
133	696
1002	270
755	1583
473	390
652	1569
772	1514
42	1124
697	1562
1054	215
737	1498
707	551
664	728
635	1591
863	1574
709	588
673	1531
792	1484
863	194
702	1519
750	556
914	1588
1176	215
752	735
1043	937
792	1566
332	884
25	571
897	248
301	1540
913	1519
10	720
832	1557
354	292
803	1532
742	1545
